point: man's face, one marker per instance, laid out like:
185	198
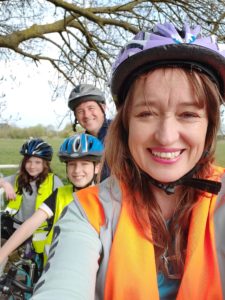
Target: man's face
90	116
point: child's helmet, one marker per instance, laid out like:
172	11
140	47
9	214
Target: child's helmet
81	145
84	92
37	147
165	45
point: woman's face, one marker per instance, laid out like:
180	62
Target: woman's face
34	166
167	128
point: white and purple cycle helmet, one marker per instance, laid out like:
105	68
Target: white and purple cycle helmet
167	46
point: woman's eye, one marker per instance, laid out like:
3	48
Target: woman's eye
189	114
145	114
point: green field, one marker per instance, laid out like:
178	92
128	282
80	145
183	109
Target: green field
9	154
220	153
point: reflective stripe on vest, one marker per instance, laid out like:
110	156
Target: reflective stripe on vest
10	210
44	191
63	198
39	236
130	269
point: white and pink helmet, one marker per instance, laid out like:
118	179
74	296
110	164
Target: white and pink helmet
165	45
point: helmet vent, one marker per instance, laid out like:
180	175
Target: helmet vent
90	145
77	144
77	89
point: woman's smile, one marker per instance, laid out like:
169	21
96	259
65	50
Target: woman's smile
165	156
167	122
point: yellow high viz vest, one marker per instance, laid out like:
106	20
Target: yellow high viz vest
63	198
131	269
44	191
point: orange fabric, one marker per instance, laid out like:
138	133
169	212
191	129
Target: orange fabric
201	279
92	206
131	270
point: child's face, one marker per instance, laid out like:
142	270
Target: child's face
81	172
34	166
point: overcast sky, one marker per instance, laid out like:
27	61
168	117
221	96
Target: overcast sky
29	96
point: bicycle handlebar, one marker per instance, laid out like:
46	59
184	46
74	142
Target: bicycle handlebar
7	215
22	286
8	280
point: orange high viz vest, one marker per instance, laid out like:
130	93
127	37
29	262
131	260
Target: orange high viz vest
131	272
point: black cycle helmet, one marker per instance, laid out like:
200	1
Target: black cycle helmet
84	92
37	147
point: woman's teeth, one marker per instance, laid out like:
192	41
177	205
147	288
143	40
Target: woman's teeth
166	155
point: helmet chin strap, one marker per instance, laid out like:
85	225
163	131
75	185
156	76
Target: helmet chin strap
188	180
74	125
200	184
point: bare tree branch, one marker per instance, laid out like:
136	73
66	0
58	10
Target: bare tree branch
80	38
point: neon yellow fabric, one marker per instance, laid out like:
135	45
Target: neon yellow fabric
64	197
45	190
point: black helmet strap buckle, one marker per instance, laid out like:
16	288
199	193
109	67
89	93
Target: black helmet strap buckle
201	184
209	186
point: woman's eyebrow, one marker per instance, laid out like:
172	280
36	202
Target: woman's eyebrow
190	104
145	103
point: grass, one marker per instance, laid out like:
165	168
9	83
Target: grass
9	149
220	153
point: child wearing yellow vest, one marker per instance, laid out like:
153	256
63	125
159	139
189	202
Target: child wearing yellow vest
82	154
32	185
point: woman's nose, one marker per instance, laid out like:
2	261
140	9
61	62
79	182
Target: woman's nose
167	131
